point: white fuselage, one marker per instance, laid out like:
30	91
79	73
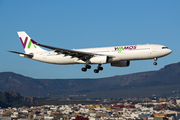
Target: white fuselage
118	53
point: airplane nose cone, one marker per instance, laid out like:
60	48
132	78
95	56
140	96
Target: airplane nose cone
170	51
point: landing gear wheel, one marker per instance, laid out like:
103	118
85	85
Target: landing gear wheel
96	71
84	69
155	59
100	68
88	66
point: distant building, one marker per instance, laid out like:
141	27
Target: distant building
81	118
5	118
101	114
162	99
172	101
146	100
160	118
164	106
158	107
178	101
154	101
159	115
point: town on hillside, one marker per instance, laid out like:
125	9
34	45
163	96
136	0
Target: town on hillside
126	109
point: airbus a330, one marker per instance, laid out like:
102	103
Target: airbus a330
117	56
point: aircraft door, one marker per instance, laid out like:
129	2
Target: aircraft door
154	48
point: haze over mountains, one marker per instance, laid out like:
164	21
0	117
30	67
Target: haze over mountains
164	82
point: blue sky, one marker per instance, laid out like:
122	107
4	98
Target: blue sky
86	24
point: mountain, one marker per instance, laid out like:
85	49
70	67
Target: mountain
9	99
163	82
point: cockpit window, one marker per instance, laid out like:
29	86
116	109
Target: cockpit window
164	47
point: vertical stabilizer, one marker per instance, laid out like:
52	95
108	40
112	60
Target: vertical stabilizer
28	46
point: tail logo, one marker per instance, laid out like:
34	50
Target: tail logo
25	42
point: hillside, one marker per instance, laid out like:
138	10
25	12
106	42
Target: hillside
9	99
161	82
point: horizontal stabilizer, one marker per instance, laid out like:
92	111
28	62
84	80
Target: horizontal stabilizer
24	55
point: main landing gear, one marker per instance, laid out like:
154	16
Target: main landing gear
84	69
99	68
155	59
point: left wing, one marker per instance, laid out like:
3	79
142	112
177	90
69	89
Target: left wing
73	53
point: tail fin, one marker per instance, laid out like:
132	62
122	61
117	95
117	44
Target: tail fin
28	46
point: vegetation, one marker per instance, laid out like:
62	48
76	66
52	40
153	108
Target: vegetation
66	102
13	99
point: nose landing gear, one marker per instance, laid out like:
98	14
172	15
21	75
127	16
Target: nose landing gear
155	63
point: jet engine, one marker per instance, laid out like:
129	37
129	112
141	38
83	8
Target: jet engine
99	60
121	64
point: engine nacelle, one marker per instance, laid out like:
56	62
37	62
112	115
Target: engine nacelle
99	60
121	64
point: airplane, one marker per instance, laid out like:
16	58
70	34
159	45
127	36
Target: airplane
117	56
